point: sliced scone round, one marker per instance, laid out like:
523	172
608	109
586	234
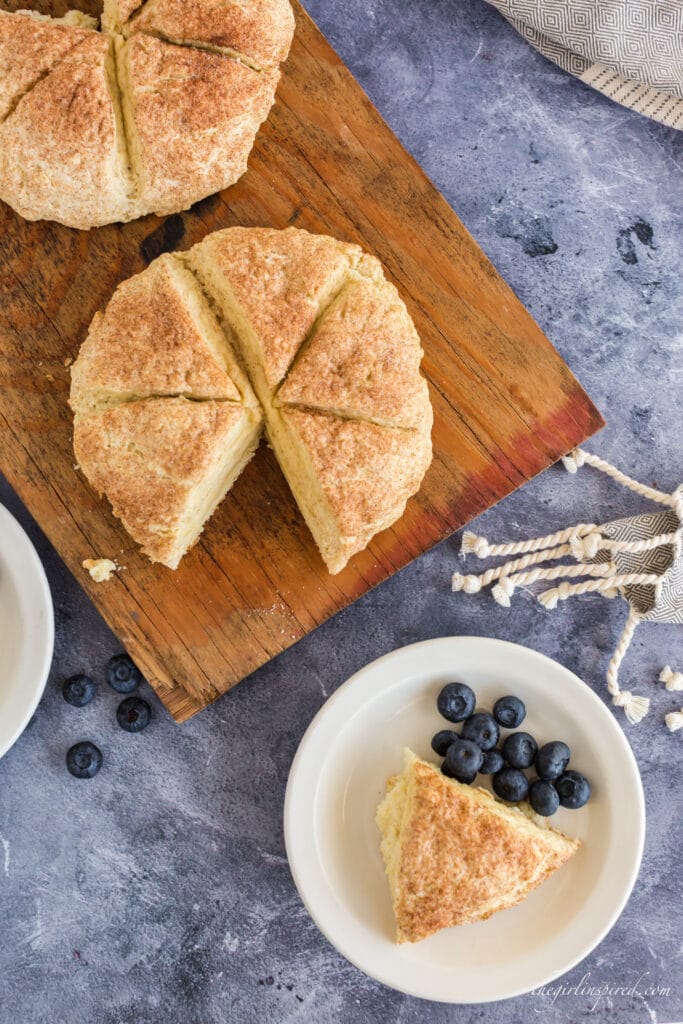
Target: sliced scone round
191	116
62	151
271	287
157	336
454	854
165	464
351	479
259	31
363	359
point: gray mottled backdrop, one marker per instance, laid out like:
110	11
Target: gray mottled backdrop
159	892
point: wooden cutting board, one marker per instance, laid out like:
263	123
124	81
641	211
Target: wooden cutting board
505	404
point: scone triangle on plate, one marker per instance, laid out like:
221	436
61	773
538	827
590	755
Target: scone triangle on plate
454	854
165	464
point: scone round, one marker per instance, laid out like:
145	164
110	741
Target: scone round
301	330
155	112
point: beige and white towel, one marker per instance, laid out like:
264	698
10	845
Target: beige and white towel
630	50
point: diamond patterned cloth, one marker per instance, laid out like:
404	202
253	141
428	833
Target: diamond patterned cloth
630	50
664	601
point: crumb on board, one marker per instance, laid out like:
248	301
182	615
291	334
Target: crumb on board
101	569
49	376
68	361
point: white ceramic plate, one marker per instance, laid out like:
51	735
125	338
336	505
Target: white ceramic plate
26	630
338	778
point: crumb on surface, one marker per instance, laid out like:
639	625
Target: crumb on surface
101	569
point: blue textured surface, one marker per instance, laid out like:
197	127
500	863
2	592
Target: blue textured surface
160	892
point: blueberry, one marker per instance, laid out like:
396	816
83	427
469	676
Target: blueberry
492	762
84	760
519	749
509	712
78	690
543	797
482	729
466	778
122	674
552	759
133	714
511	784
574	789
442	741
464	757
456	702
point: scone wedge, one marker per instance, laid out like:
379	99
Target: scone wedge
351	479
164	464
454	854
165	418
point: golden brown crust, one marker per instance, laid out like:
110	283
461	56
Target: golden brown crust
59	150
363	360
196	115
150	342
279	279
149	456
461	858
29	48
261	30
367	472
159	336
90	139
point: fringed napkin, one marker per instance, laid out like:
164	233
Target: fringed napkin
638	558
630	50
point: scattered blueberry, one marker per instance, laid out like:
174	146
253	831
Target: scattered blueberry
509	712
519	749
78	690
84	760
552	759
464	757
467	779
574	789
543	797
492	762
482	729
133	714
442	741
122	674
456	702
511	784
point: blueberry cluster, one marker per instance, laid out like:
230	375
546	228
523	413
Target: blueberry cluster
133	714
475	750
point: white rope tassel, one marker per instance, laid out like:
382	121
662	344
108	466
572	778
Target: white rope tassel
673	680
608	587
479	546
473	584
585	548
674	721
634	707
579	457
505	589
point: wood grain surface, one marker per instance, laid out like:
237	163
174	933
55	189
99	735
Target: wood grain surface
505	404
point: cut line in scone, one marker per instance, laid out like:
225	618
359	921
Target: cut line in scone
151	114
454	854
226	323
